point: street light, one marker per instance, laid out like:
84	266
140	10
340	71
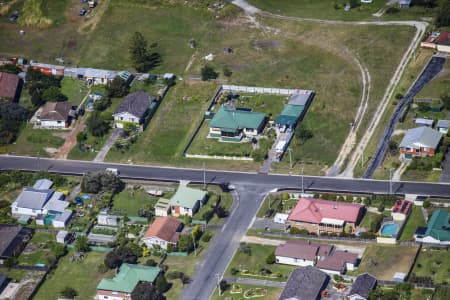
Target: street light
303	187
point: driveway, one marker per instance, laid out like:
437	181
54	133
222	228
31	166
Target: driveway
262	223
107	146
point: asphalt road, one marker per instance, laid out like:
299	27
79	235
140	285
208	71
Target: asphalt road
433	67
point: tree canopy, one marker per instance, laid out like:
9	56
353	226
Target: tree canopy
146	291
117	88
143	59
96	124
53	94
101	182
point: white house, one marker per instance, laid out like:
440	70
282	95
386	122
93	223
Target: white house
437	230
442	126
338	262
162	232
162	207
133	109
62	237
280	218
103	218
301	253
186	201
55	115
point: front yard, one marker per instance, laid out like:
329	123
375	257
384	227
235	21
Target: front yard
415	220
383	261
242	291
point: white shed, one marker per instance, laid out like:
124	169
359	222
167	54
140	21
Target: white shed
62	237
280	218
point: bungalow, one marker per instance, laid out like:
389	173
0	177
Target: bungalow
301	253
46	205
401	210
305	284
63	236
92	76
9	87
56	115
186	201
14	238
162	232
162	207
420	141
442	126
234	124
404	3
316	215
103	218
338	262
362	286
122	285
437	40
424	122
294	109
133	110
437	230
48	69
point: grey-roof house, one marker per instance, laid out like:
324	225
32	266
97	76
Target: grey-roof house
31	201
13	239
305	284
133	109
363	284
420	141
442	126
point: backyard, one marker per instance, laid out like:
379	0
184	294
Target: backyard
433	263
383	261
81	276
415	220
253	264
39	250
74	89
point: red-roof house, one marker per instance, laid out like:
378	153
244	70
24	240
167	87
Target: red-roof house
162	232
9	86
437	40
316	215
401	209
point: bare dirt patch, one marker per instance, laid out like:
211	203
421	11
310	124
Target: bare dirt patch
266	44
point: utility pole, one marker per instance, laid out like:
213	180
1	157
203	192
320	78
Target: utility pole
204	176
195	248
390	180
290	157
303	186
37	163
362	157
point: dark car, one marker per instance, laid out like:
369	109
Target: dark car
82	12
14	16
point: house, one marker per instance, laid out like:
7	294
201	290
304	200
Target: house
91	76
305	284
419	142
338	262
424	122
56	115
122	285
234	124
186	201
301	253
103	218
362	286
162	232
63	237
404	3
401	210
46	205
437	230
133	110
9	87
442	126
3	282
48	69
162	207
439	41
316	215
14	238
294	109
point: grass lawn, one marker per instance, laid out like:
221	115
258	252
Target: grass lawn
256	261
415	220
421	294
34	142
43	243
226	200
74	89
416	175
433	263
129	201
239	289
439	86
369	219
82	276
383	261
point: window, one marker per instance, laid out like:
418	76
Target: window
121	118
132	119
59	122
417	150
105	297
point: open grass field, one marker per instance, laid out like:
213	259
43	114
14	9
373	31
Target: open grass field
433	263
82	276
129	201
34	142
255	262
383	261
239	290
415	220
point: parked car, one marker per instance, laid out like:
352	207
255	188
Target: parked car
82	12
14	16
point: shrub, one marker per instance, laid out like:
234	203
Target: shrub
392	10
398	96
243	247
426	204
208	73
69	293
234	271
206	237
270	259
295	230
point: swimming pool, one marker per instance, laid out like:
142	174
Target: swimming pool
389	229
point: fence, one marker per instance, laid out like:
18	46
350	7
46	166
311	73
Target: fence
262	90
177	254
218	157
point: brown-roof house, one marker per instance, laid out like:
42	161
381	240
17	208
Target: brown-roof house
56	115
338	262
9	87
301	253
163	231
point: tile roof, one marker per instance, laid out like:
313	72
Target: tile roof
128	277
136	104
402	206
443	38
302	249
363	284
8	85
315	210
165	228
439	225
232	120
337	260
421	137
56	111
187	197
304	284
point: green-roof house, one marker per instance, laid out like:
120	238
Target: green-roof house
186	201
437	230
122	285
233	124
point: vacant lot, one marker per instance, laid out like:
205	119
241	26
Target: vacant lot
439	87
383	261
415	220
433	263
81	276
129	201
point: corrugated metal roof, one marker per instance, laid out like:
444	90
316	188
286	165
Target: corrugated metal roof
232	120
421	136
33	199
187	197
128	277
443	124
